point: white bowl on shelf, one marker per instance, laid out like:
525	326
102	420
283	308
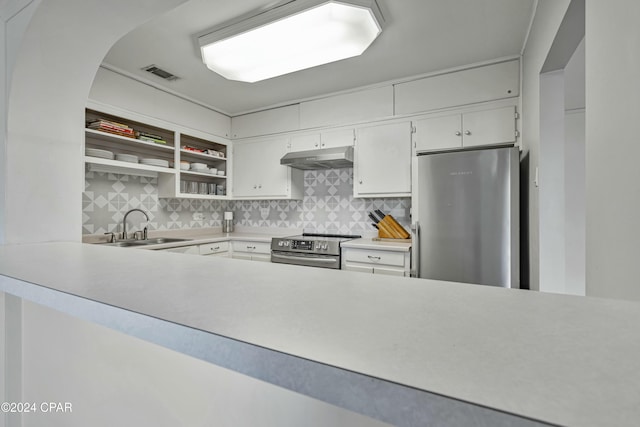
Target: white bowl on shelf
213	171
221	173
199	167
184	166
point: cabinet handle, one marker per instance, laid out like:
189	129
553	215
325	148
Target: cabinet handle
255	186
467	132
373	258
251	247
458	133
360	181
216	248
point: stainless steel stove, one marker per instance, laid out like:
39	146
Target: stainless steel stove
310	249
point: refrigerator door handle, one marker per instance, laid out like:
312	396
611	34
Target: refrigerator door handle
415	250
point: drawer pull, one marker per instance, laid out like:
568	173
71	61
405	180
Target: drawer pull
373	258
216	248
251	247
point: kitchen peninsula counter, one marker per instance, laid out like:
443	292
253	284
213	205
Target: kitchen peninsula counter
400	350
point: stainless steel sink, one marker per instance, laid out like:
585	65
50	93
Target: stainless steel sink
153	241
159	240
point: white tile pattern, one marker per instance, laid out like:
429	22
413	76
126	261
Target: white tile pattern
328	206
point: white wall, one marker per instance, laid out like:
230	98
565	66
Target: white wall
613	148
574	179
549	15
125	93
562	178
552	183
52	75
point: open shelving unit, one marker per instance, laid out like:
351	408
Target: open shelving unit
172	181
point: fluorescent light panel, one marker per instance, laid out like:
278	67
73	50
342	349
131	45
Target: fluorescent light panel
325	31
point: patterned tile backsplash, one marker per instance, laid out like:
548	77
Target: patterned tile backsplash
328	206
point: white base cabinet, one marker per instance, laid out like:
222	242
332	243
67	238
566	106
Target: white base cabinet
251	250
375	261
215	249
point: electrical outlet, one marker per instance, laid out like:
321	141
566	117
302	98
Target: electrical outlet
264	212
198	216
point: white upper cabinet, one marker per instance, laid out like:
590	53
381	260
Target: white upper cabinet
438	133
472	129
383	161
325	139
305	142
258	174
453	89
489	127
337	138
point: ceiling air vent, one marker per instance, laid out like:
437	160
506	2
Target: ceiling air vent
155	70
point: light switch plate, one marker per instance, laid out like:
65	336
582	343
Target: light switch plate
198	216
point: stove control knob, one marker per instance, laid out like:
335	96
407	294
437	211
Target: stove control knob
325	246
281	243
286	242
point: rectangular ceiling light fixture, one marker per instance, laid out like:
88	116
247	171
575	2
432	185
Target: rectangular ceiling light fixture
297	35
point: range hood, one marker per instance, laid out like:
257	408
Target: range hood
324	158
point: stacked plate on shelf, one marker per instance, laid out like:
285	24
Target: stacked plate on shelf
127	158
155	162
103	154
199	167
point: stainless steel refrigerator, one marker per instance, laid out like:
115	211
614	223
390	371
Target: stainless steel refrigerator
465	218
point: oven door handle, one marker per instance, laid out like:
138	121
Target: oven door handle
298	258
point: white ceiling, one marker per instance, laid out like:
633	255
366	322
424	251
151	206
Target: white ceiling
420	36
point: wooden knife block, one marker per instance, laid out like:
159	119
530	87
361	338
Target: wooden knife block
388	228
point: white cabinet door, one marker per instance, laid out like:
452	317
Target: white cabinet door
337	138
438	133
359	268
305	142
389	271
274	176
489	127
245	172
383	161
477	128
257	171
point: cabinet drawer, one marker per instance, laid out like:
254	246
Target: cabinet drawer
214	248
252	247
375	257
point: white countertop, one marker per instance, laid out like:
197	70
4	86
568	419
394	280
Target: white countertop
560	359
199	236
374	244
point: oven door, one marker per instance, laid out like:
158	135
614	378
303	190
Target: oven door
311	260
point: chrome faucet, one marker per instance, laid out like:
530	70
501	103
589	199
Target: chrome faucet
124	223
